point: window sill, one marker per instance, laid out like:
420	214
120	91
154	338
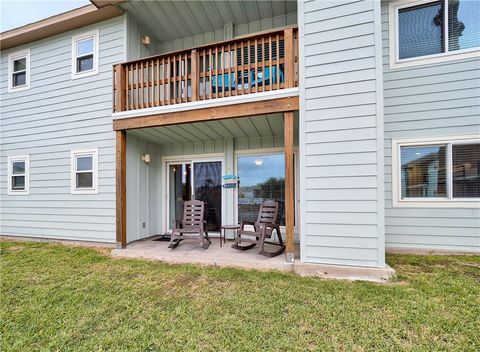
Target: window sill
438	203
85	191
434	59
18	89
84	74
18	193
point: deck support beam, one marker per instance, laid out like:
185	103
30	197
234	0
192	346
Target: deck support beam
121	188
289	188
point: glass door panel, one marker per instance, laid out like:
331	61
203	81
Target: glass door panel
180	190
261	178
207	178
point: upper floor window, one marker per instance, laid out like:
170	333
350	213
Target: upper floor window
18	175
429	31
19	71
85	54
84	171
429	172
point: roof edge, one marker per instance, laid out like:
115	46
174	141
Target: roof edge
57	24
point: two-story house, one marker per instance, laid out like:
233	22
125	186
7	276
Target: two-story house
361	118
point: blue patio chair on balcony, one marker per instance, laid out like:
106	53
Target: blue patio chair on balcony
225	81
263	78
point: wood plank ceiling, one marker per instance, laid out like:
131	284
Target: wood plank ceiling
258	126
169	20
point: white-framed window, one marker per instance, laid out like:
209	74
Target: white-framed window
431	31
19	71
84	178
18	175
85	54
436	172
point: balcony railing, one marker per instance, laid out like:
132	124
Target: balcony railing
247	65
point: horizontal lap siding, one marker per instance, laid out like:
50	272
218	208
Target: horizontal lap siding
424	101
340	173
57	115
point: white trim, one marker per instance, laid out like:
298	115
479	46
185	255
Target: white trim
73	171
15	56
302	132
203	104
377	14
26	160
395	62
95	34
447	202
172	159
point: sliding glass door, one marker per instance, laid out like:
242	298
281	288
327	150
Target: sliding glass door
195	179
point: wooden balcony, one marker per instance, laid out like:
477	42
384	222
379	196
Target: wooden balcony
248	65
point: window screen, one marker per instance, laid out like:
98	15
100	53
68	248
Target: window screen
84	171
466	170
423	172
463	24
420	30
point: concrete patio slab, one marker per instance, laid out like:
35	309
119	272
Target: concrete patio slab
190	252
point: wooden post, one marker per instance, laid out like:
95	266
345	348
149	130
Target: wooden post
195	75
121	189
121	98
289	58
289	187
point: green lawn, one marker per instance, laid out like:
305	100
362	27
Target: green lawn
63	298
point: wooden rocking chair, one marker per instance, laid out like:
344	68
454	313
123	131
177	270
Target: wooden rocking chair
193	223
263	230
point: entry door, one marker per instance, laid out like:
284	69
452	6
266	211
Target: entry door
201	180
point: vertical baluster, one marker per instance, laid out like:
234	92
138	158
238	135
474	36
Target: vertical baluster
204	73
277	64
174	75
137	89
167	92
264	77
156	86
249	60
242	65
127	97
256	65
186	77
161	88
216	72
210	69
233	67
147	83
270	62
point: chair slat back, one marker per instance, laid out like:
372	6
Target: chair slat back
268	212
193	212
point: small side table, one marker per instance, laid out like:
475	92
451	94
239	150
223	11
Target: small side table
227	227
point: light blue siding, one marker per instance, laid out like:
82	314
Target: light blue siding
440	99
341	112
57	115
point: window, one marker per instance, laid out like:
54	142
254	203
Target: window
85	55
18	175
428	31
261	177
84	171
19	71
437	171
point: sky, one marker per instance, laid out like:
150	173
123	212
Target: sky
16	13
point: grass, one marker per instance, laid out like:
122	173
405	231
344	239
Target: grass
61	298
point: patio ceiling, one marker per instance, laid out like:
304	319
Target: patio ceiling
238	128
169	20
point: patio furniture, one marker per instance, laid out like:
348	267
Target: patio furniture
193	225
262	230
228	227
